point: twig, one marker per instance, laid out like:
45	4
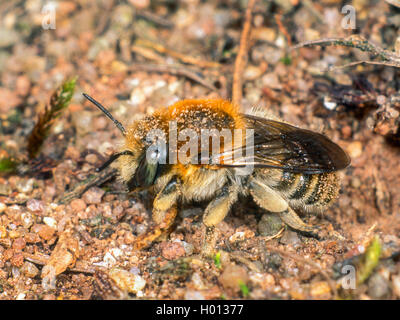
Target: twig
241	57
277	235
94	180
278	19
305	261
174	70
147	53
160	21
389	58
184	58
238	256
355	63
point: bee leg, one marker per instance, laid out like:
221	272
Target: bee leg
209	243
291	218
267	198
215	212
165	210
270	200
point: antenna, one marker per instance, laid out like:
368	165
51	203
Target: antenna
107	113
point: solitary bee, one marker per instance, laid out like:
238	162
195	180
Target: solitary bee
292	168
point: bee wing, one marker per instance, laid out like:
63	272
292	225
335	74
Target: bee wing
283	146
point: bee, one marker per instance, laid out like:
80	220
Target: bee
292	168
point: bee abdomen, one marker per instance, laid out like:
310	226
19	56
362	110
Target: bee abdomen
323	192
312	191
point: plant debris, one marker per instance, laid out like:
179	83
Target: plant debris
59	101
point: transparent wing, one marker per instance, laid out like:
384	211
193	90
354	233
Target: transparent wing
280	145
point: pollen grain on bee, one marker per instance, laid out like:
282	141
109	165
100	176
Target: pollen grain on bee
201	146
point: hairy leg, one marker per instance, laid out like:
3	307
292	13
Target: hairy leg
165	209
215	212
270	200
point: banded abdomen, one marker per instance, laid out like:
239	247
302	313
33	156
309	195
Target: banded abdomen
310	192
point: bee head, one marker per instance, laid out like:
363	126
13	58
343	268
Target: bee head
140	166
139	161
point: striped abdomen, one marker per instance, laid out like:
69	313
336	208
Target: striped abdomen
312	192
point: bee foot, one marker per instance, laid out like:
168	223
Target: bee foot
291	218
209	244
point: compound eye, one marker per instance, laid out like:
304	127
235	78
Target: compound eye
145	173
156	153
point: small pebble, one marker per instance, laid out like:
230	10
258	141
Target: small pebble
330	105
237	236
355	182
93	195
34	205
27	220
22	85
31	237
127	281
378	287
25	186
13	211
271	81
109	259
20	296
290	237
91	158
346	131
233	276
194	295
252	72
140	4
355	149
17	259
6	243
134	270
29	269
188	248
118	212
265	281
44	231
320	289
396	285
172	250
5	189
19	244
269	225
3	232
49	194
140	229
51	222
14	234
7	254
197	281
77	205
15	272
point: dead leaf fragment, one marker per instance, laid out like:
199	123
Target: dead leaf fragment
63	256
